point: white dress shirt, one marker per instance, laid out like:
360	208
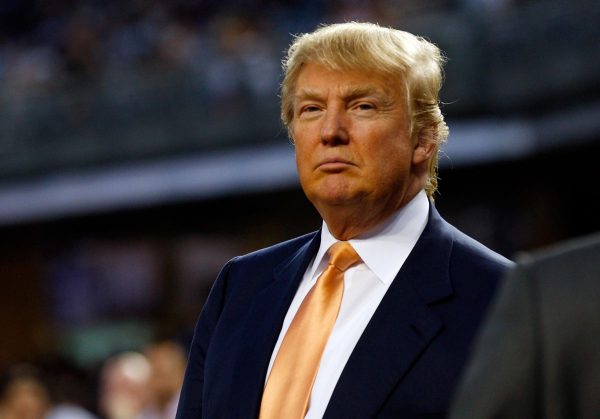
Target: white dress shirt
383	252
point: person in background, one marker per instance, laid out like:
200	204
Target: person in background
124	386
538	355
71	390
23	394
374	314
167	361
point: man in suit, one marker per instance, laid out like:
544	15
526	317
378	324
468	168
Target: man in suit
539	353
278	337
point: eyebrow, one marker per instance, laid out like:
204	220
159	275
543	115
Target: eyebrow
353	93
349	94
307	94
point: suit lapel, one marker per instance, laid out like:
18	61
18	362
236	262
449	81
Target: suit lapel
263	325
401	328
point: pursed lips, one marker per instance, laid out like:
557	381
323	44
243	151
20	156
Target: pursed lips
334	164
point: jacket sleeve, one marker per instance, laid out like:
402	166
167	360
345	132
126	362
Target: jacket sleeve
191	398
500	381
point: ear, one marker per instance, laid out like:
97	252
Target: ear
424	146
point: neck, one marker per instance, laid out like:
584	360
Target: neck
350	221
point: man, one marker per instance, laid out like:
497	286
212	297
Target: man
124	381
373	315
539	353
23	394
167	366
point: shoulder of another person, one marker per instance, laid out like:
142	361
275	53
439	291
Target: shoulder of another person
574	252
565	262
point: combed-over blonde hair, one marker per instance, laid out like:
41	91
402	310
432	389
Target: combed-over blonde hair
397	55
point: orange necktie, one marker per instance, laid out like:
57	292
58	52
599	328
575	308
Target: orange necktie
290	382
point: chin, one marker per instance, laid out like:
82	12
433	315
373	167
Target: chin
332	191
332	199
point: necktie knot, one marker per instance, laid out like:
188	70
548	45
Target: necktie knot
342	255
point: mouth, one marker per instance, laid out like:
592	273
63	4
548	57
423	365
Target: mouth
334	165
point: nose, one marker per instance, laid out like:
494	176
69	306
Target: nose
334	130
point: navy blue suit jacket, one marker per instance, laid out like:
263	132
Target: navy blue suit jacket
405	364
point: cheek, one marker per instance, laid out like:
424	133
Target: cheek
301	153
304	165
379	142
390	157
301	141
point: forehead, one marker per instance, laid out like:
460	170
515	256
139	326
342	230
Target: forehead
314	78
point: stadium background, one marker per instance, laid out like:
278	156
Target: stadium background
140	149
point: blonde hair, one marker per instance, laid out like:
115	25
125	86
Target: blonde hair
411	60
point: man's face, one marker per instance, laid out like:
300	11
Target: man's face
352	143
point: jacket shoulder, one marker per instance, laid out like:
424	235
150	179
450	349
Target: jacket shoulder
276	252
260	264
466	251
469	249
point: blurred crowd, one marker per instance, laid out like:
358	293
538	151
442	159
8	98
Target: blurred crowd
229	45
128	385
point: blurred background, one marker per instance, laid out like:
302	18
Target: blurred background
141	148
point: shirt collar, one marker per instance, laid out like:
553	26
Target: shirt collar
397	236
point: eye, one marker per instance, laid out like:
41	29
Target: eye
309	108
364	106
